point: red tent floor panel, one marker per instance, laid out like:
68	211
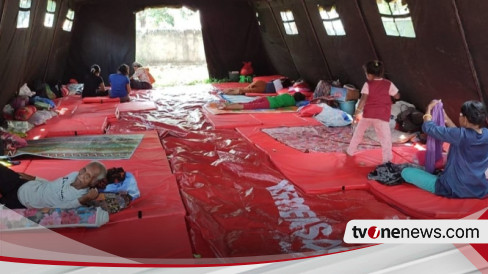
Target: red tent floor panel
419	203
319	172
153	226
136	106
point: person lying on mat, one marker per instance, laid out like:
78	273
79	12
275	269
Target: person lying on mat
467	160
94	85
120	84
257	86
254	87
140	79
283	100
19	190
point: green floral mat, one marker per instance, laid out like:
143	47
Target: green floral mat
93	147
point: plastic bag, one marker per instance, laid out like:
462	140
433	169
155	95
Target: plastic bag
333	117
19	126
310	110
40	117
25	91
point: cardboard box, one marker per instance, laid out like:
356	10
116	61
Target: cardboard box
344	94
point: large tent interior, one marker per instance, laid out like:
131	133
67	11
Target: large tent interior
217	186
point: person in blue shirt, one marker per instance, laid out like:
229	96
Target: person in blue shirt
120	84
467	160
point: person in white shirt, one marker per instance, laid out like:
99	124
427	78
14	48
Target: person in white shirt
19	190
140	78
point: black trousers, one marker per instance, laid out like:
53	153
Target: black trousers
135	84
10	183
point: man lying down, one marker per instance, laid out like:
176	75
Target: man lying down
20	190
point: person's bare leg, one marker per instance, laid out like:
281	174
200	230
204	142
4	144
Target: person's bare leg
235	106
232	91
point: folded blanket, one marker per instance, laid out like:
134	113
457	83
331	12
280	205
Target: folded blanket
112	202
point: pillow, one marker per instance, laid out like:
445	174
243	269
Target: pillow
24	113
309	110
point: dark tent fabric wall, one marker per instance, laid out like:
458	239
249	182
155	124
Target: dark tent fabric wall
445	60
105	34
33	53
435	63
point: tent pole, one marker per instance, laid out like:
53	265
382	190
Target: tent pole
56	30
366	29
317	39
281	33
469	57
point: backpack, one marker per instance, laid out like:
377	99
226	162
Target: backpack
410	120
149	75
389	174
322	89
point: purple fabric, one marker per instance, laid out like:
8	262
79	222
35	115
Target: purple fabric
434	146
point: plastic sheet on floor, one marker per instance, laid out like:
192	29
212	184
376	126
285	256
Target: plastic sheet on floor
237	202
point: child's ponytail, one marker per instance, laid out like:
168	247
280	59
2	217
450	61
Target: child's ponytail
95	69
375	68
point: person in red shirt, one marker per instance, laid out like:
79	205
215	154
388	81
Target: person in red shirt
375	107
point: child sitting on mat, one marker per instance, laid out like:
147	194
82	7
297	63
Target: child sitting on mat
269	102
120	84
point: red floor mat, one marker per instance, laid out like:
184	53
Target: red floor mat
284	119
258	119
69	126
108	110
421	204
319	172
21	167
153	226
76	118
231	120
100	100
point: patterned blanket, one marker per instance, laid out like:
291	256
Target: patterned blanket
328	139
26	219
